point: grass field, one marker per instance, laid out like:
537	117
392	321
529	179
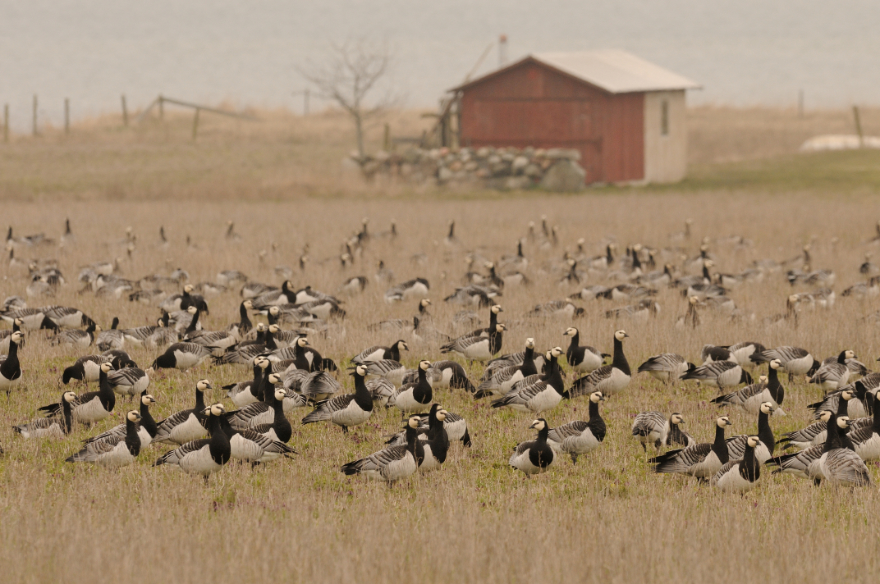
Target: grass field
606	519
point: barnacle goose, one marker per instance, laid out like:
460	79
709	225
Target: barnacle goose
147	426
452	375
76	337
700	460
582	358
720	374
798	463
111	339
67	317
185	425
794	360
346	410
57	426
654	428
205	456
5	336
31	319
150	336
537	393
403	323
830	376
419	287
737	444
392	463
642	310
436	447
261	412
557	308
313	386
248	392
455	426
579	437
10	367
93	406
857	401
752	396
129	381
378	353
609	379
741	475
815	433
500	379
867	438
537	455
113	451
666	367
414	397
839	463
181	356
477	347
391	370
251	446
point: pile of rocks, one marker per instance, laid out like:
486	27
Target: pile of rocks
552	169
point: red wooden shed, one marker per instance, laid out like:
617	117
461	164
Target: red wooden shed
624	115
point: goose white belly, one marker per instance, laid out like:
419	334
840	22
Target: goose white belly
707	468
430	462
394	470
118	457
762	453
580	444
145	437
199	462
799	366
8	384
455	430
351	415
524	463
185	360
418	289
733	482
729	378
406	402
477	351
506	386
591	362
547	399
91	411
31	322
870	448
615	382
322	310
664	376
244	449
243	398
187	431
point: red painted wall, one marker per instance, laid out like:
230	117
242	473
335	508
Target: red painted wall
533	105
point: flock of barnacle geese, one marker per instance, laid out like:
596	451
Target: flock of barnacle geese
288	373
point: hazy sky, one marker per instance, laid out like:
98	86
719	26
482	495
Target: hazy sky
743	52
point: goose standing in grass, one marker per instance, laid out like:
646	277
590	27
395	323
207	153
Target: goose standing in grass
477	347
185	425
113	451
90	407
10	367
393	463
736	445
455	426
654	428
739	476
839	463
378	353
414	397
666	367
832	375
204	456
452	375
147	426
794	360
579	437
720	374
798	463
57	426
252	446
111	339
700	460
501	379
852	400
752	396
416	288
534	456
866	439
261	412
582	357
129	381
76	337
815	433
32	319
537	393
182	356
609	379
248	392
150	336
346	410
436	447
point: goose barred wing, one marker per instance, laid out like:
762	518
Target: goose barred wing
683	459
125	376
265	443
806	435
663	362
168	424
647	422
377	461
359	358
524	446
461	343
585	385
710	370
784	354
741	396
569	430
320	383
93	450
383	367
522	396
176	455
115	433
736	446
861	434
294	379
798	462
845	466
725	468
380	388
239	419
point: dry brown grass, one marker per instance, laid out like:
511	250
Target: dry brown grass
606	519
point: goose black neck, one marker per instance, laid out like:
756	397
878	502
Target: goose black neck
875	407
750	469
132	440
528	365
765	433
619	361
362	395
393	352
706	273
776	389
493	320
226	427
219	446
575	341
270	340
244	319
719	446
594	411
192	324
67	415
200	401
842	358
147	421
832	438
543	433
553	375
842	406
105	392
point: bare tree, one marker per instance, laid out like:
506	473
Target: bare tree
350	72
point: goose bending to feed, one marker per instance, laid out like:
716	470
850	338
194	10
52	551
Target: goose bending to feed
609	379
537	393
752	396
582	357
720	374
185	425
57	426
346	410
794	360
739	476
666	367
93	406
182	356
378	353
654	428
112	338
452	375
393	463
113	451
147	426
700	460
205	456
477	347
579	437
534	456
418	287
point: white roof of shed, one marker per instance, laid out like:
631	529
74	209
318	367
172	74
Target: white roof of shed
616	71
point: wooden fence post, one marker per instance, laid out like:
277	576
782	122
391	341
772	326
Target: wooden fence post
35	116
124	112
66	115
195	123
